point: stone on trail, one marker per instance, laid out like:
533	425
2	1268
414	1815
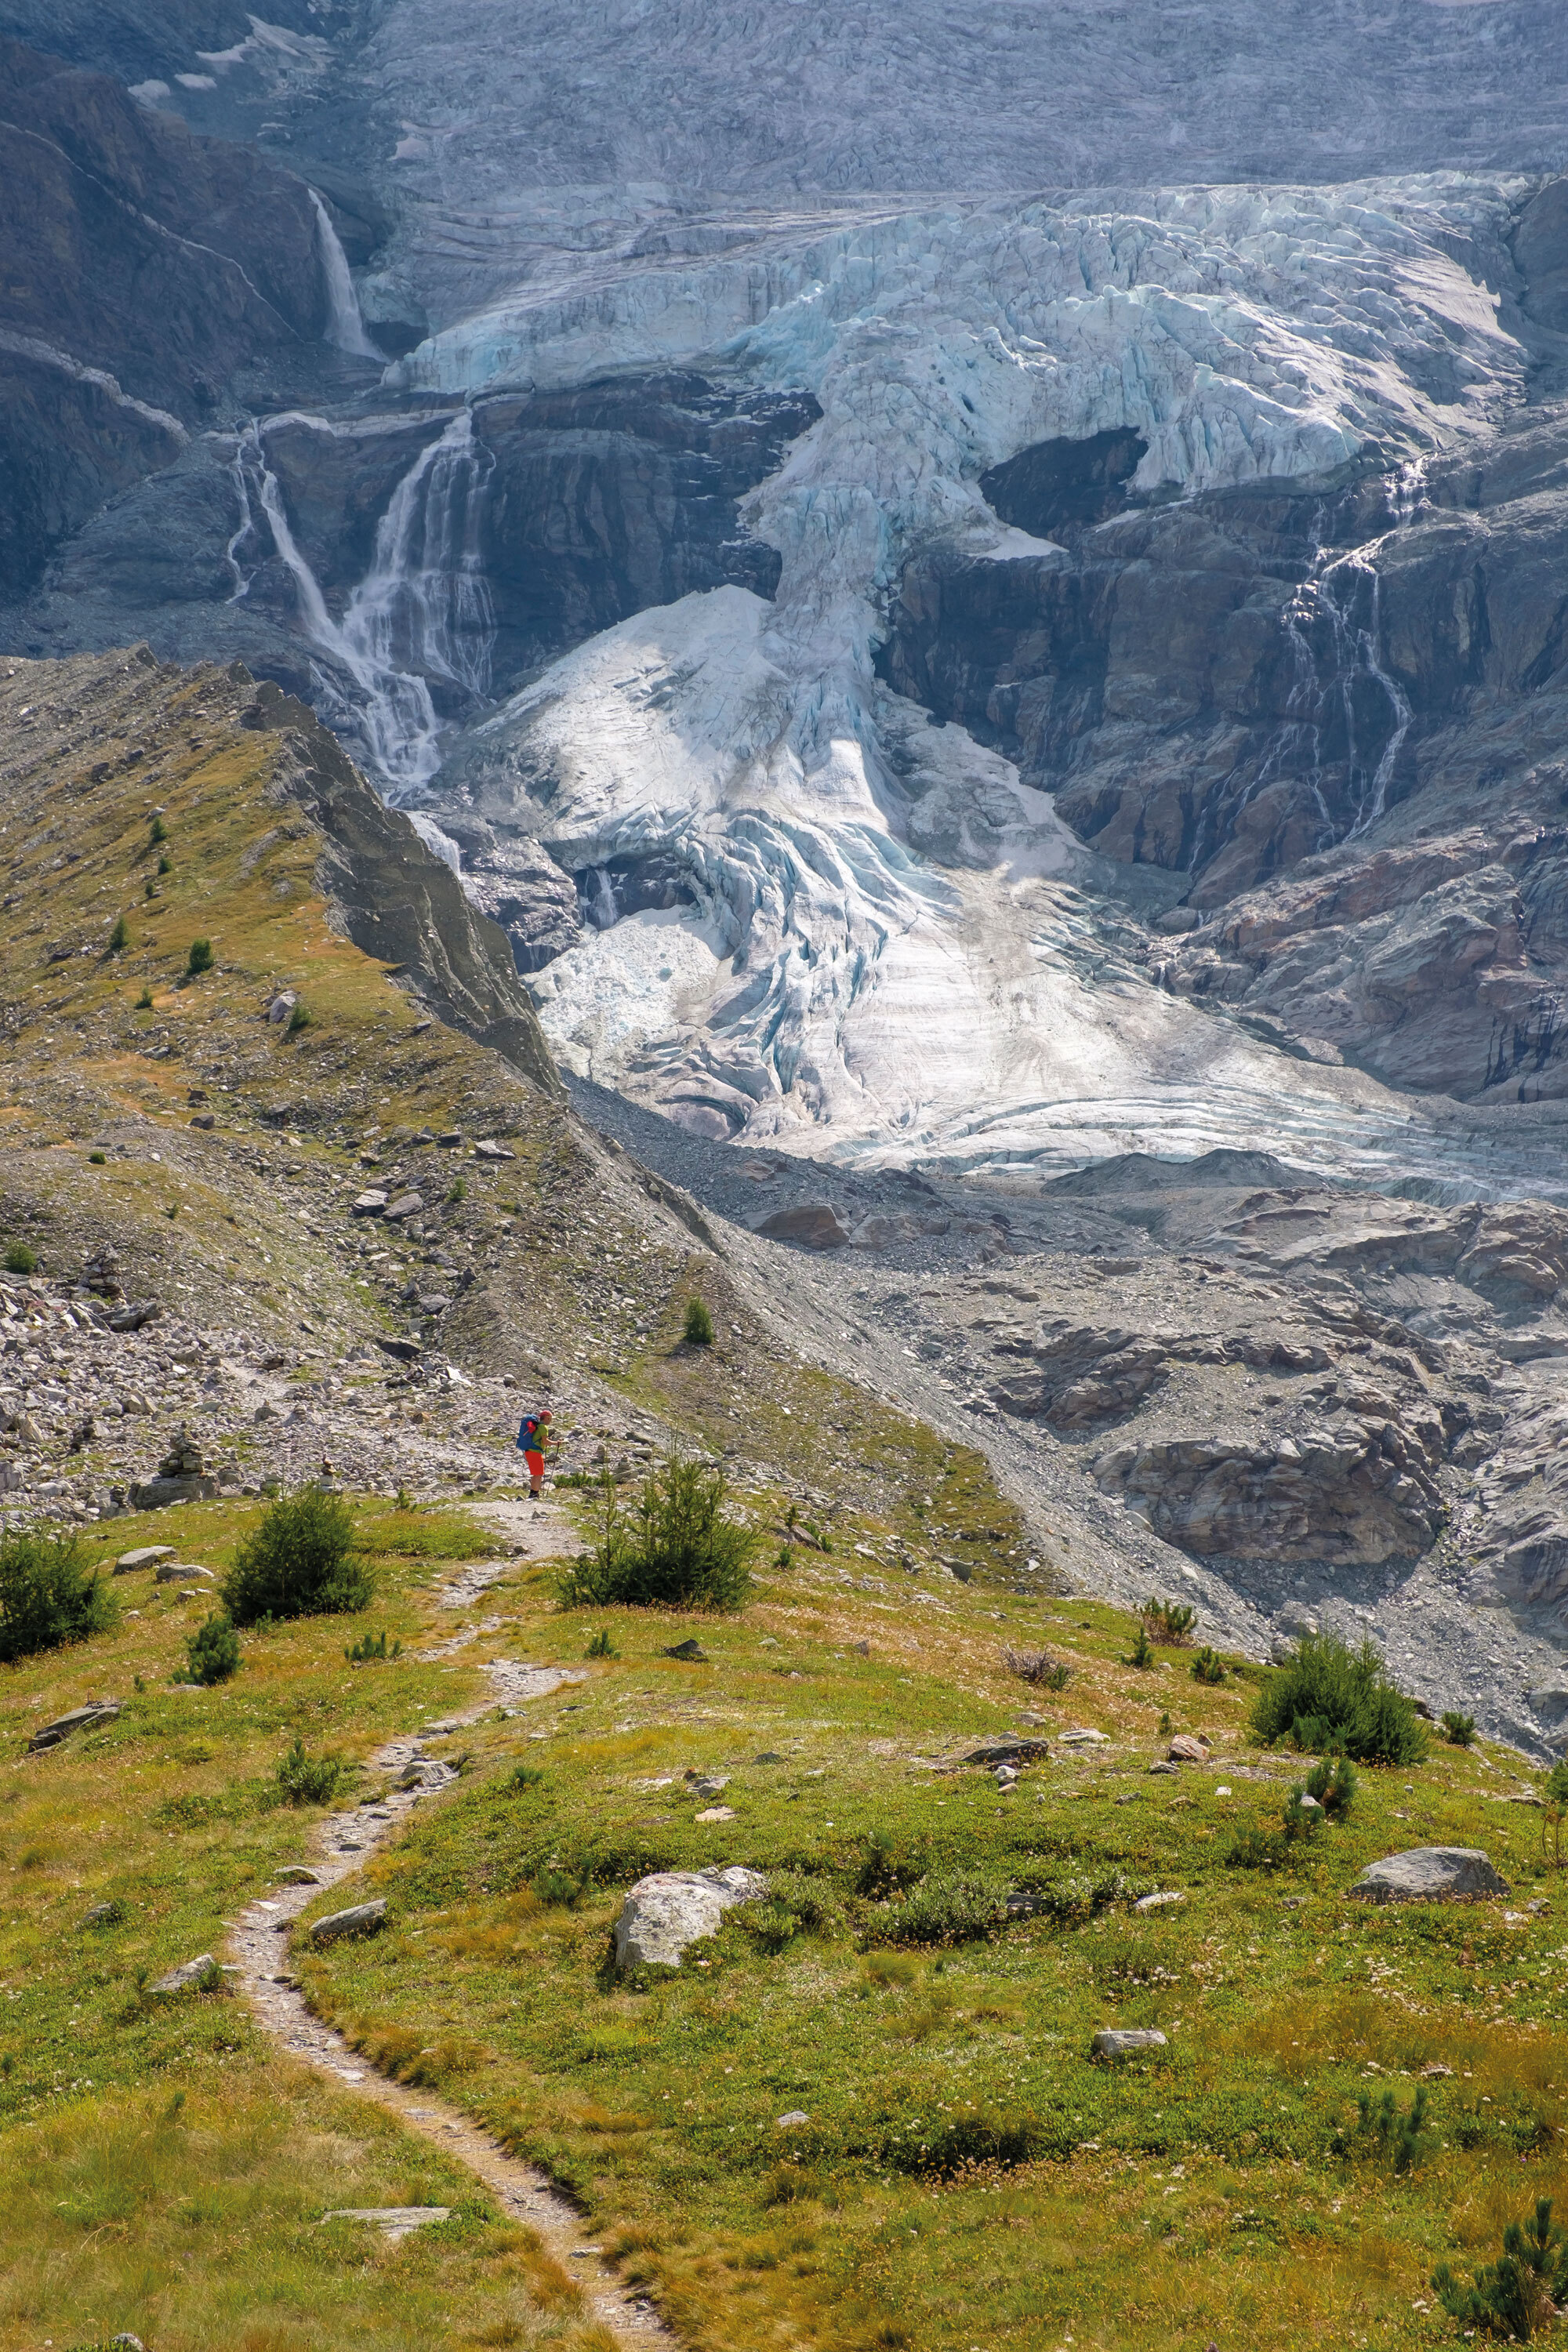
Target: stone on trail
191	1976
670	1909
359	1919
295	1874
1431	1874
1126	2041
144	1556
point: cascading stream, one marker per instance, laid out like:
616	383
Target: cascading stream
422	611
345	327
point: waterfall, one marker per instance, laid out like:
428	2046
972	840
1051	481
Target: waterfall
422	610
1359	703
345	328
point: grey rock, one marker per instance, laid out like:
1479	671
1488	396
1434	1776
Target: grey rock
1126	2041
190	1975
95	1710
670	1910
136	1316
791	2120
1082	1736
1158	1902
487	1148
372	1204
1430	1873
812	1224
282	1005
396	2221
295	1874
1165	1766
1187	1750
179	1571
102	1914
1011	1751
144	1556
708	1784
160	1494
406	1205
359	1919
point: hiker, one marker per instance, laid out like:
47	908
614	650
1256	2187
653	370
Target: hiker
531	1440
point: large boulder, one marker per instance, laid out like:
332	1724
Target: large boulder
670	1909
1430	1873
359	1919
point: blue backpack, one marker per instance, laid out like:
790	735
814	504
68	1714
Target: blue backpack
530	1435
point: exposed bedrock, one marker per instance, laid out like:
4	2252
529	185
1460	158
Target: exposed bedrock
144	267
570	510
1339	713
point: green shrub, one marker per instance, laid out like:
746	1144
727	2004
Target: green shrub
199	960
371	1648
1208	1666
299	1018
299	1562
1515	2295
675	1549
457	1192
951	1906
527	1776
1554	1788
796	1902
1334	1783
144	1002
1459	1730
1170	1621
1401	2137
1142	1653
212	1652
20	1259
49	1595
1332	1697
309	1779
600	1644
887	1868
98	1159
165	865
1038	1666
697	1329
158	830
120	937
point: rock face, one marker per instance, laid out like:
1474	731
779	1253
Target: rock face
671	1909
144	266
1430	1873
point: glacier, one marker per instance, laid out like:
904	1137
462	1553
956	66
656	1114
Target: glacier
887	944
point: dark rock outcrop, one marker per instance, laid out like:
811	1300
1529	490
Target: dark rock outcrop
143	266
395	900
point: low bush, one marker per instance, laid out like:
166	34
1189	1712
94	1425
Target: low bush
1517	2295
309	1779
1459	1730
677	1548
1038	1666
299	1563
199	960
120	937
1400	2135
20	1259
1143	1650
370	1650
1334	1783
1332	1697
299	1018
212	1652
1208	1666
951	1906
600	1644
1170	1622
886	1867
49	1595
796	1904
697	1329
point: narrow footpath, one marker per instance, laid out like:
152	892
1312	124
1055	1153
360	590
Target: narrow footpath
342	1843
